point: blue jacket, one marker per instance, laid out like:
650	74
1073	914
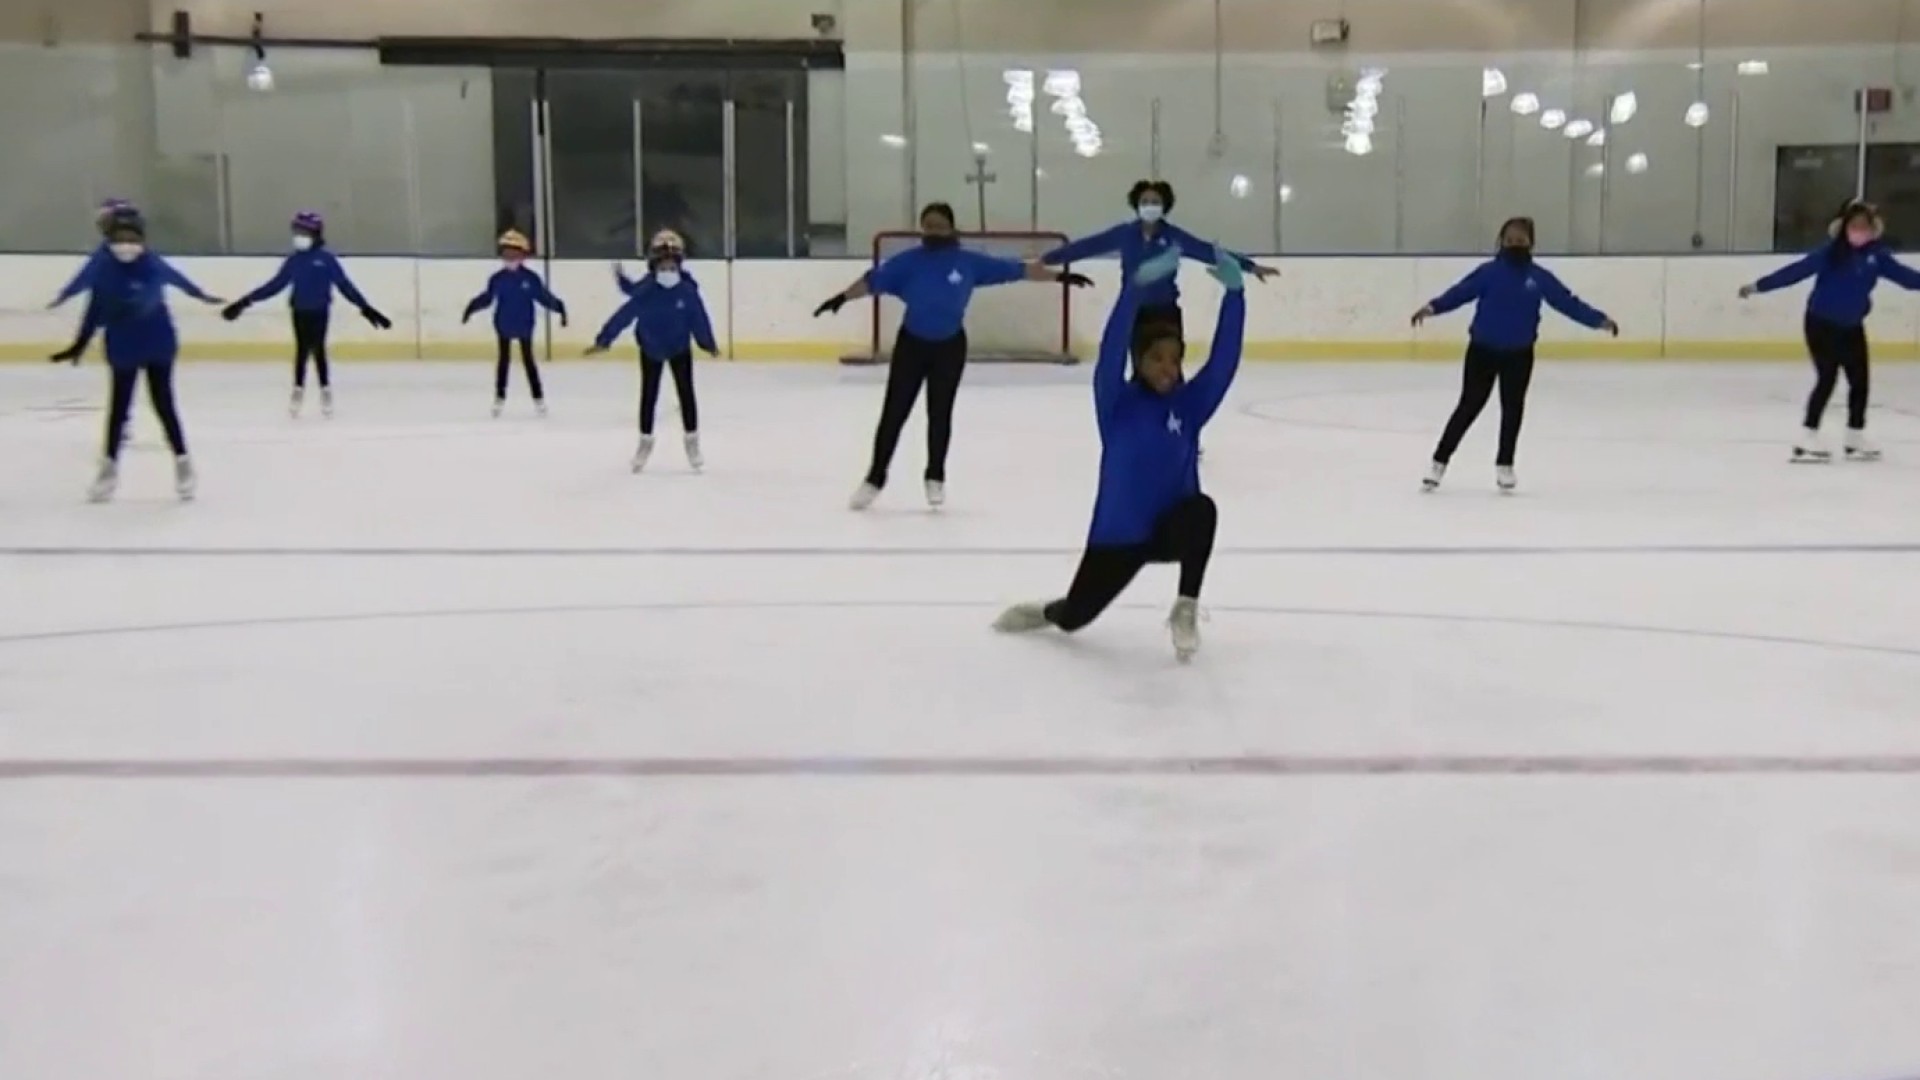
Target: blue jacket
666	322
937	284
1136	245
314	274
1843	279
83	279
129	301
512	294
1149	442
1509	295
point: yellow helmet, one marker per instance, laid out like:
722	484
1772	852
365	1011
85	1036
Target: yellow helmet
513	239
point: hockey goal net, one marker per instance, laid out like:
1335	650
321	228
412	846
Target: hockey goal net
1026	322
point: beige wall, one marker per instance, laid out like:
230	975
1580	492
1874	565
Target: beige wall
1025	25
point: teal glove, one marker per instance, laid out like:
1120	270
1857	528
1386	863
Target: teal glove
1226	269
1164	265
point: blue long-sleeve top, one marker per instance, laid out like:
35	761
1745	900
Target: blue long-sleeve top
666	321
1150	442
129	301
313	276
937	285
1509	294
1843	279
1136	243
513	294
82	279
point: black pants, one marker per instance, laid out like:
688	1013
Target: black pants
1512	369
502	369
682	367
938	364
159	389
310	340
1183	534
1834	349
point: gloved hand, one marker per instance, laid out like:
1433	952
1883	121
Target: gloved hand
1163	265
373	316
68	355
831	306
1226	270
1076	280
234	310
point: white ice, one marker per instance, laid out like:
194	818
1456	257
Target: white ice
569	773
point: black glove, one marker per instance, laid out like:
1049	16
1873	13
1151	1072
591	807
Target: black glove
1077	280
379	321
234	310
563	320
68	355
832	305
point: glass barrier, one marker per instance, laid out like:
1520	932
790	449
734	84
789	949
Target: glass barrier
1622	152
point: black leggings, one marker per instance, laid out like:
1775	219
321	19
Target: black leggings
1836	348
1513	370
938	364
505	366
682	367
1183	534
310	340
159	389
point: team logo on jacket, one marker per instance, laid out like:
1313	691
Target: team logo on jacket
954	278
1532	285
1173	423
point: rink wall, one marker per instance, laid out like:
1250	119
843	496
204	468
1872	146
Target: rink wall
1322	308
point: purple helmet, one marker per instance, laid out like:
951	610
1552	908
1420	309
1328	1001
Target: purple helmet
108	208
309	222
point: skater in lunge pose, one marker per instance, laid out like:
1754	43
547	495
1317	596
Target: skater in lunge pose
512	292
668	318
1844	270
1507	291
1150	508
129	303
313	273
936	280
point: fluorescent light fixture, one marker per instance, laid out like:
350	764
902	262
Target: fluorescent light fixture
1357	125
1751	67
1598	138
1552	119
1524	104
1578	129
1063	83
982	148
1370	82
1359	144
1623	108
1596	169
895	141
1493	82
1286	193
1697	114
1694	65
1239	186
1637	163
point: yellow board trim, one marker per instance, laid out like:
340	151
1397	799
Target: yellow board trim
570	352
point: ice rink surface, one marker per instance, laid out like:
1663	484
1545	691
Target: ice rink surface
426	745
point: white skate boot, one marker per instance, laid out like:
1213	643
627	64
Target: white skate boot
326	402
1859	448
1184	623
540	406
184	482
1022	619
1436	472
499	406
1503	478
644	452
104	482
293	403
936	493
863	497
695	459
1810	449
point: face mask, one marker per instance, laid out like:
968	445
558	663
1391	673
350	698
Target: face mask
1151	212
302	242
126	251
1859	237
939	240
666	279
1518	253
513	261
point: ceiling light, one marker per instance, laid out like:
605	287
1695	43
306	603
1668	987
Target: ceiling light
1578	129
1552	119
1751	67
1493	82
1637	163
1623	108
1697	114
1524	105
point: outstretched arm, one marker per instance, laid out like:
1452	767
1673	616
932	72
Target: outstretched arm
1464	291
1209	388
171	275
482	302
1105	242
1794	272
627	285
338	274
1898	272
274	287
1116	342
621	319
544	296
1562	300
1195	248
83	278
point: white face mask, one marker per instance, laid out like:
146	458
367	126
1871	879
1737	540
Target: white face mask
1151	212
302	242
667	279
126	251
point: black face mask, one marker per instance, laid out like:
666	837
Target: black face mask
1515	253
941	240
